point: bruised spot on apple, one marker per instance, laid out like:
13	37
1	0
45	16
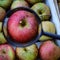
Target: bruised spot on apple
22	26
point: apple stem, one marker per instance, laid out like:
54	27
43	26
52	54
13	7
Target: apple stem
23	23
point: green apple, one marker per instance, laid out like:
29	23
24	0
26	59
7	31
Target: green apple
2	39
47	27
42	10
18	3
27	53
49	51
33	1
2	13
5	3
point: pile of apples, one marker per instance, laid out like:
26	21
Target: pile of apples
48	50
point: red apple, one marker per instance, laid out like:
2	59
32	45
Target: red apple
22	26
1	58
6	52
49	51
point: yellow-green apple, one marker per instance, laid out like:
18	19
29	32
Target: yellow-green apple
22	26
2	39
47	27
19	3
27	53
42	10
6	52
2	13
33	1
49	51
5	3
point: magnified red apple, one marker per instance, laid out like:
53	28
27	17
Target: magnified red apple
19	3
22	26
6	52
27	53
49	51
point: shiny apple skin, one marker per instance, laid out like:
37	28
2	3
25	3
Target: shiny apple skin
26	33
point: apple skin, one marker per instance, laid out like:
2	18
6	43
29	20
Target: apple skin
2	39
5	3
33	1
49	51
2	14
19	3
1	58
22	26
27	53
6	52
42	10
47	27
19	0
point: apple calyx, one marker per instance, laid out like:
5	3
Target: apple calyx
39	12
3	51
25	26
25	49
22	22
